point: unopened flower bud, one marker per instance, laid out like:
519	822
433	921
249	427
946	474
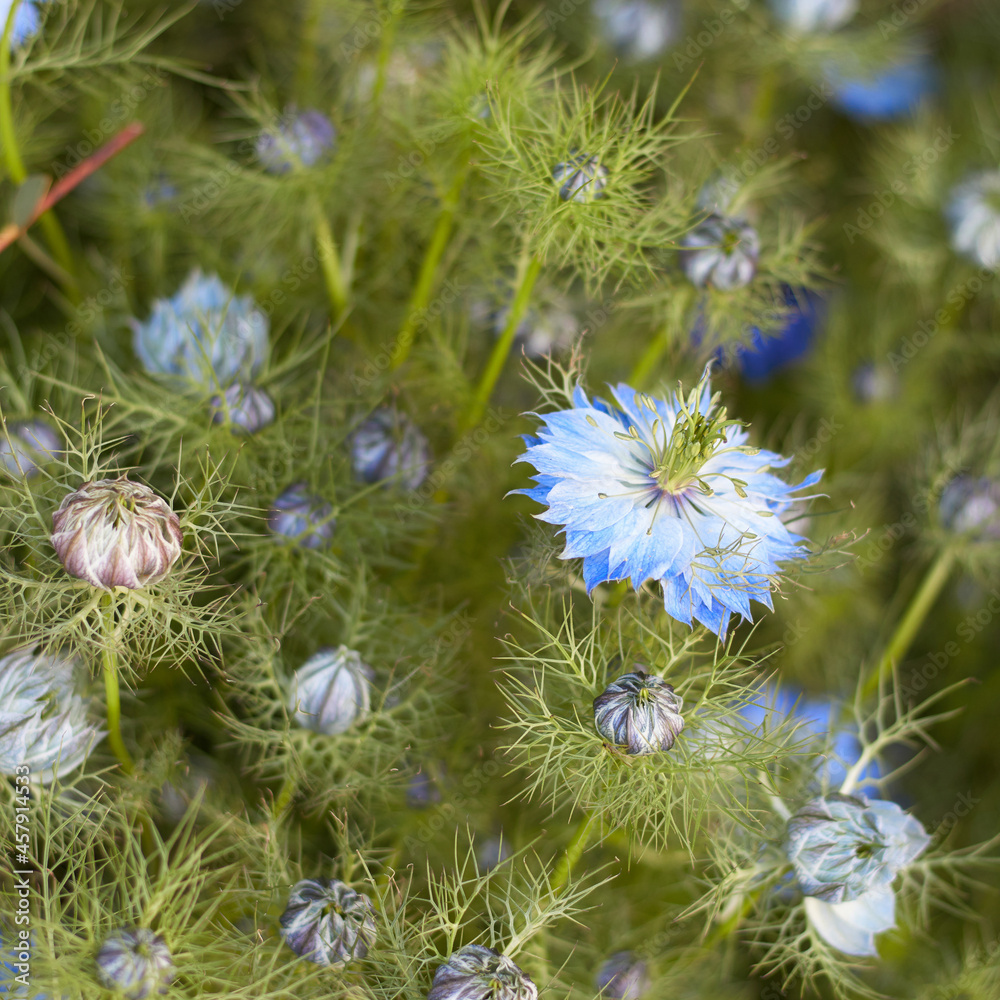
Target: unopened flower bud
479	973
388	447
135	962
327	922
331	691
43	721
581	178
639	712
843	846
247	408
116	533
622	977
26	445
721	252
299	515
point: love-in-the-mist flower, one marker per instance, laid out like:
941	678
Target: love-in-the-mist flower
43	721
973	213
639	29
970	505
892	91
26	445
639	712
814	16
26	21
389	447
300	139
245	407
581	178
297	514
669	491
721	252
841	846
622	977
116	533
846	851
135	962
205	334
476	972
327	922
331	691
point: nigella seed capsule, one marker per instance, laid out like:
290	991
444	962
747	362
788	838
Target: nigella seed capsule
388	447
135	962
331	691
116	533
300	516
327	922
639	712
26	445
581	178
479	973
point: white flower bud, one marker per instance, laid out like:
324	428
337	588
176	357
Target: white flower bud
116	533
331	691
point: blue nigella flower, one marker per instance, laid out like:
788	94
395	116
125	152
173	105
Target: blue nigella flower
814	16
892	92
819	718
299	139
26	21
639	29
666	490
721	252
974	216
299	515
204	333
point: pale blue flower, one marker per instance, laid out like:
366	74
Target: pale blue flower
389	447
204	333
299	139
26	445
971	506
668	491
27	21
639	29
721	252
843	846
974	216
851	927
302	517
814	16
246	408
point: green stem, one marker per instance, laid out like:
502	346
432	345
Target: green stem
911	621
285	796
15	165
502	347
330	262
574	849
649	360
427	279
109	659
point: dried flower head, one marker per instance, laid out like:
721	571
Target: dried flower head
116	533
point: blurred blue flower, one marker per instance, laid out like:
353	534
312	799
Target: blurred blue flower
421	791
767	354
300	139
842	846
389	447
204	333
814	16
302	517
246	408
820	718
639	29
26	445
722	252
666	490
26	21
136	962
623	976
974	216
874	383
971	506
892	92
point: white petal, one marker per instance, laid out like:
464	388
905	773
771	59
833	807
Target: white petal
851	927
